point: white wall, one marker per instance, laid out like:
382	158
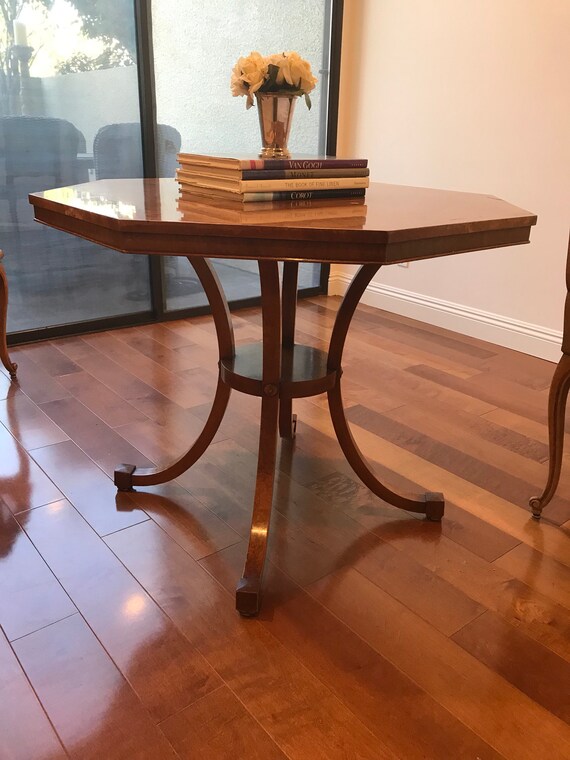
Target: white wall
468	95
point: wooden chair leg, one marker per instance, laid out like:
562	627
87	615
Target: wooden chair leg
4	357
556	415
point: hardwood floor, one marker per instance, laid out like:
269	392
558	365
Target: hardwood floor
381	635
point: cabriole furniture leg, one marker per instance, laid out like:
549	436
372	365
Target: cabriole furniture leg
4	357
556	416
557	409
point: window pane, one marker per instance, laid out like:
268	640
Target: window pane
68	72
196	45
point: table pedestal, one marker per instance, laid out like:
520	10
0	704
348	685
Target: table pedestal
278	371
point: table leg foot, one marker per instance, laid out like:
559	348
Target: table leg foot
536	507
435	506
287	420
248	597
123	477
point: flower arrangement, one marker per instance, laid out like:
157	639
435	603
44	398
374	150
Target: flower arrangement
285	73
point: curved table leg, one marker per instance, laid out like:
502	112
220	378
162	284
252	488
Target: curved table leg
556	414
288	420
128	475
4	357
430	504
248	592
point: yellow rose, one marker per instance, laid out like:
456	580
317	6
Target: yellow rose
300	72
248	75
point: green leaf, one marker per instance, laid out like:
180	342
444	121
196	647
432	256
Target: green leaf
308	101
272	71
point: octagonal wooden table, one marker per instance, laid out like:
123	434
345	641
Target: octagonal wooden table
396	224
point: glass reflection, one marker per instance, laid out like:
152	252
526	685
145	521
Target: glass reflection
67	75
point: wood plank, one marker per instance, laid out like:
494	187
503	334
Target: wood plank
25	731
510	722
51	360
171	359
100	400
529	666
218	727
23	485
145	369
140	395
460	526
161	666
198	530
480	437
34	381
408	386
520	604
100	442
504	393
162	334
444	342
163	442
30	596
27	423
92	707
544	574
302	717
498	512
366	682
492	477
90	491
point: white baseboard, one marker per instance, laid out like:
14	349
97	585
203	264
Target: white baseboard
503	331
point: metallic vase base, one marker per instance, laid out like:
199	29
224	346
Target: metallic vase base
275	112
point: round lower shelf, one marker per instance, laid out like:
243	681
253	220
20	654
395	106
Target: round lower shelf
303	371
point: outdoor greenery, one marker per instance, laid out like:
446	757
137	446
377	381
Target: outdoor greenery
108	21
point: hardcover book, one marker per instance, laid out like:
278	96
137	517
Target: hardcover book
265	197
259	164
259	185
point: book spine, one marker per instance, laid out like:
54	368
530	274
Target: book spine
305	163
322	183
248	174
303	195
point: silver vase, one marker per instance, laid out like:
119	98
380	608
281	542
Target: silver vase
275	112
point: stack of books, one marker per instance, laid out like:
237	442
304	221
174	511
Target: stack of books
255	180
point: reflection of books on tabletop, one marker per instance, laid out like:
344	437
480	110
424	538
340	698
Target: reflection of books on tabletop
342	212
275	195
261	180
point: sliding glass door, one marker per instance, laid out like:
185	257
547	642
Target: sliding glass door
115	88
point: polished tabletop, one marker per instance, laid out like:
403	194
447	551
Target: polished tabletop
392	223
